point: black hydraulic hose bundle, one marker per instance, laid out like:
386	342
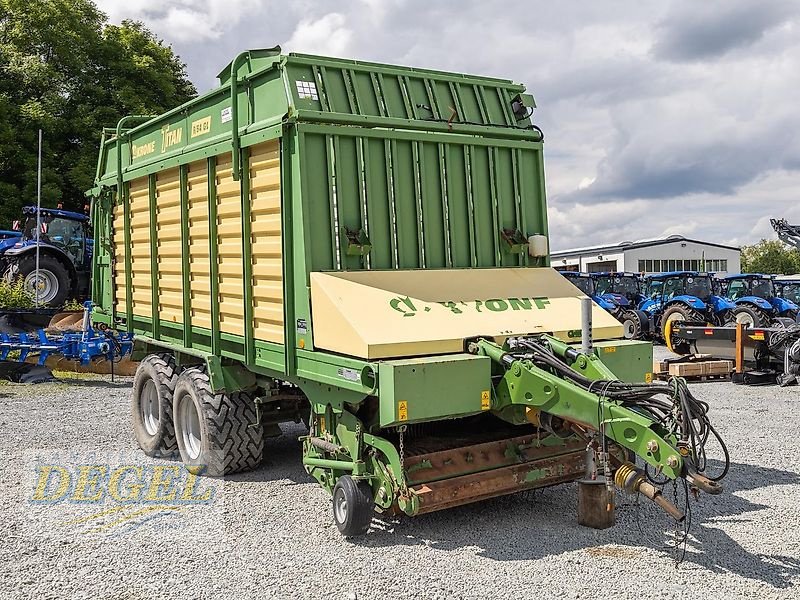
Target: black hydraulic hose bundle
680	413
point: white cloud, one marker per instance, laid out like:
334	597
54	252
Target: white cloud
182	20
659	117
327	35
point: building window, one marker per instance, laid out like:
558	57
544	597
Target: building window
602	266
723	265
642	266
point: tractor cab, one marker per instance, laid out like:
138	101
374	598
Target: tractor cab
66	230
624	288
756	295
788	289
586	283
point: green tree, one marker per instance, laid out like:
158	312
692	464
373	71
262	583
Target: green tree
65	70
770	256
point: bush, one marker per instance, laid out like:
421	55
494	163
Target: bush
14	295
770	256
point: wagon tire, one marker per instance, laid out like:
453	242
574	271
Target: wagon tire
151	405
215	431
353	506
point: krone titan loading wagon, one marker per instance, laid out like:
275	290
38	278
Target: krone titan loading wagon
363	247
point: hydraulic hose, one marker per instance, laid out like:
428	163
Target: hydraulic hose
680	413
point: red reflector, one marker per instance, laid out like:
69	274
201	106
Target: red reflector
709	332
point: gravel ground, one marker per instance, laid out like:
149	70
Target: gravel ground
272	534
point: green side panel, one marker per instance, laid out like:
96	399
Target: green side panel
431	388
423	200
349	87
629	360
383	167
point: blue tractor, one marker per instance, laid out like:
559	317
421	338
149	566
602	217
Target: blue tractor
625	291
65	255
757	300
684	296
789	289
618	293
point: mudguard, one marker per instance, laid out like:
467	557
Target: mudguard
782	305
755	301
720	303
690	301
609	306
617	299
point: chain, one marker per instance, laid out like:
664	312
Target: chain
402	430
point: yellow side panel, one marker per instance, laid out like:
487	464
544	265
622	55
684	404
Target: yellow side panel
141	272
265	214
229	249
118	236
199	257
168	234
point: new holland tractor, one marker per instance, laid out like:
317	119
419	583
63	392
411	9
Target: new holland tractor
758	303
65	255
337	252
625	290
619	294
684	296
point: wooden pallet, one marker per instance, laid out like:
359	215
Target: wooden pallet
696	368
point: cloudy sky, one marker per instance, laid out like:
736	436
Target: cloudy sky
661	118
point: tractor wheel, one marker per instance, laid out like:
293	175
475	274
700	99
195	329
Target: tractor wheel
215	431
793	315
53	284
750	316
353	506
151	405
632	325
678	313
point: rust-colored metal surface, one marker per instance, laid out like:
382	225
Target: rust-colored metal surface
544	472
464	460
444	473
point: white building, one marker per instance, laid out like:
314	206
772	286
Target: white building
675	253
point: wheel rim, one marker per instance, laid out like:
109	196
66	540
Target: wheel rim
190	427
150	406
629	329
675	317
340	507
45	286
745	318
